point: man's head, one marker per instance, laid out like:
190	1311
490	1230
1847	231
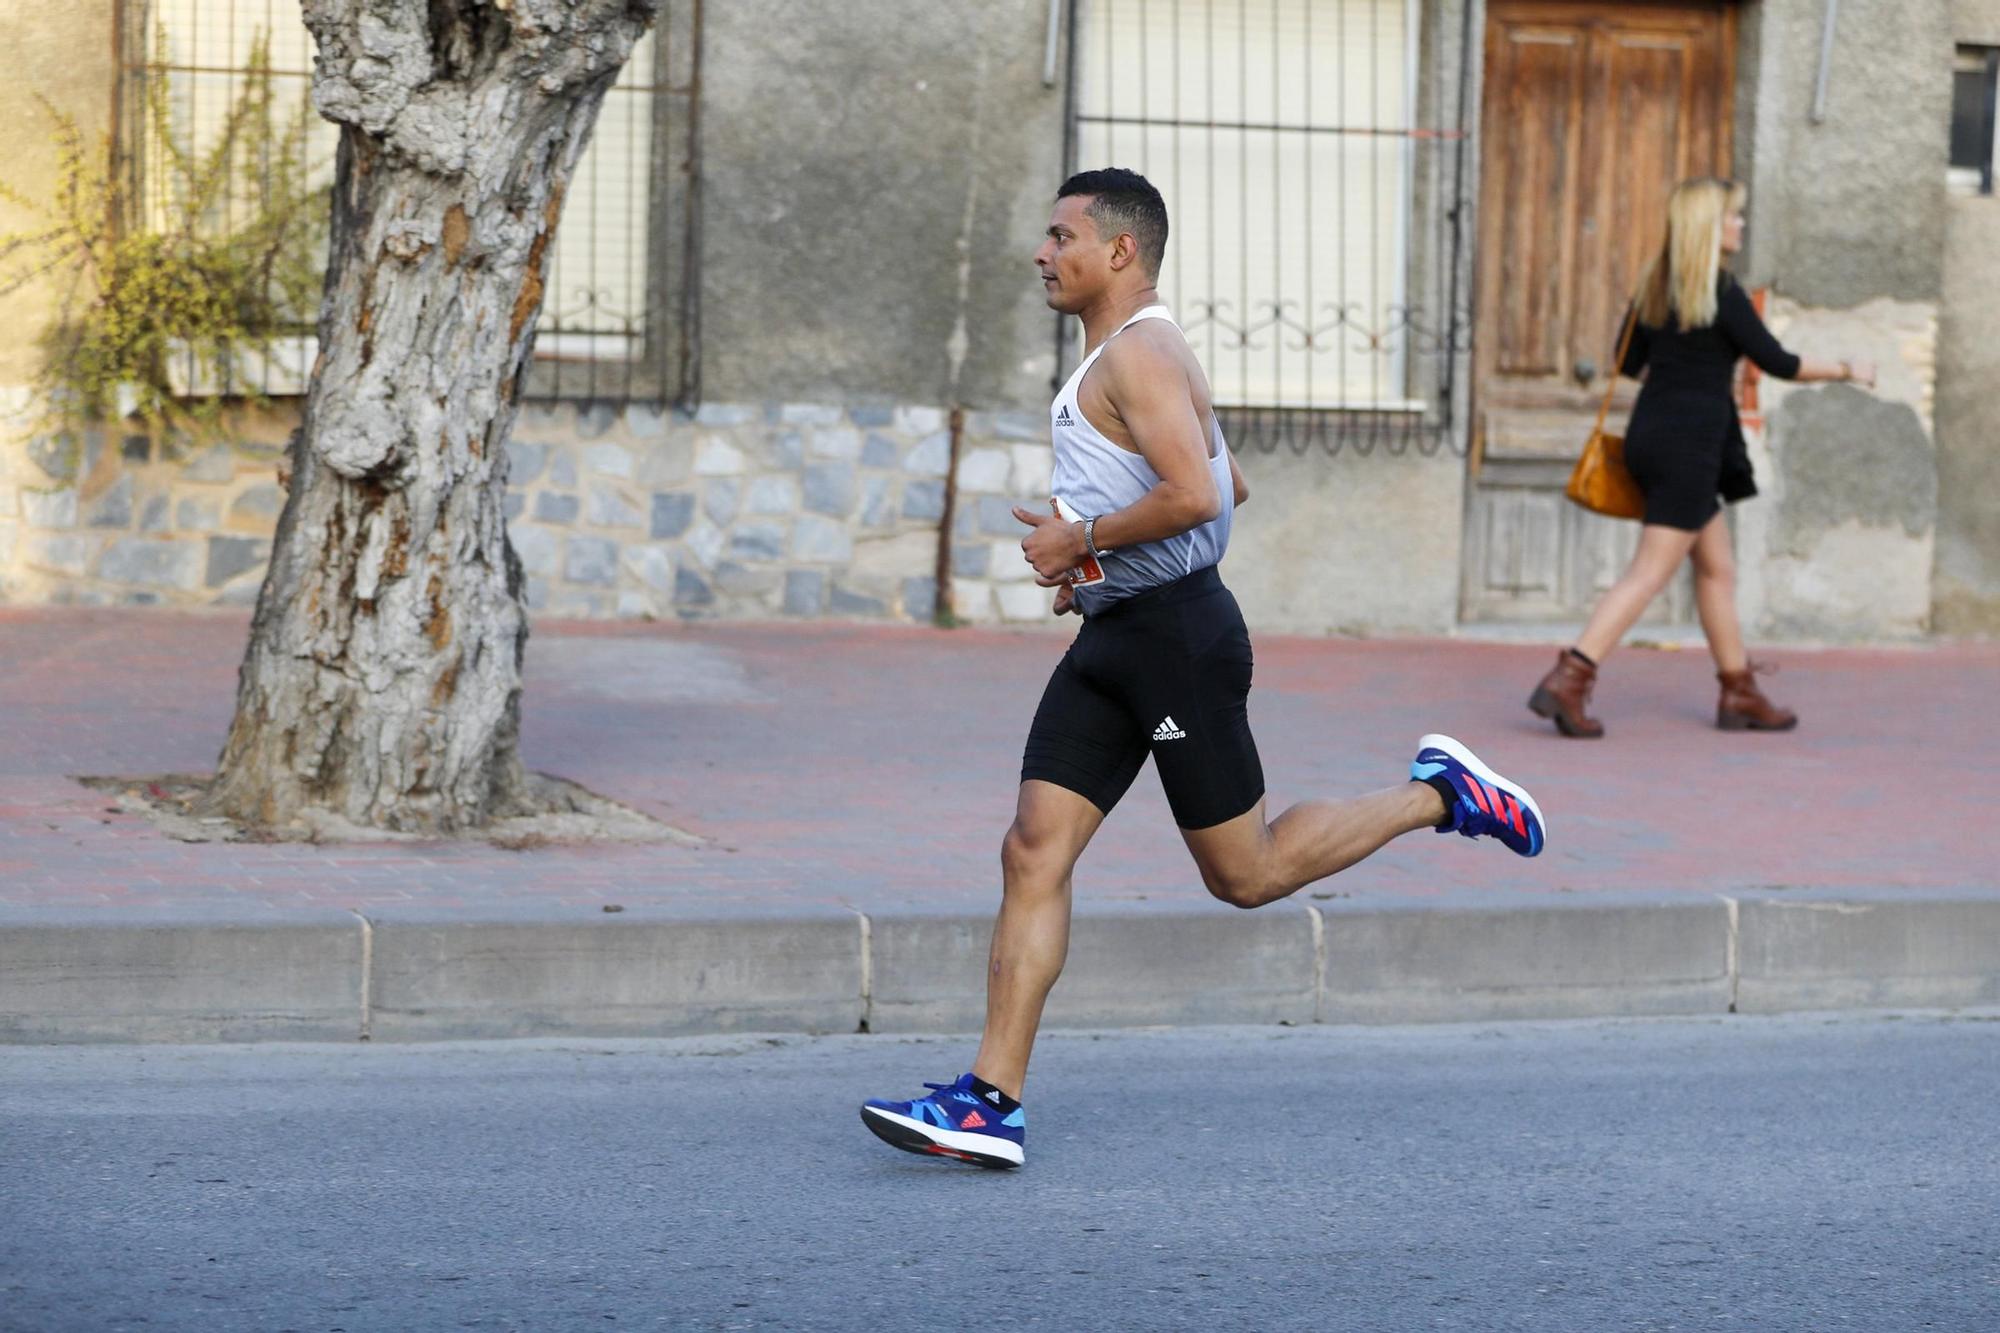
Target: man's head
1108	233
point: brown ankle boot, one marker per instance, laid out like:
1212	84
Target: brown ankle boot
1743	706
1564	695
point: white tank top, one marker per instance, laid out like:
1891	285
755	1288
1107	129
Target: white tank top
1095	476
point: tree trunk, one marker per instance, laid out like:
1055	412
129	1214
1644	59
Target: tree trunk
382	683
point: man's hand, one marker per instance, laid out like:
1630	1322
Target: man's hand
1065	599
1053	546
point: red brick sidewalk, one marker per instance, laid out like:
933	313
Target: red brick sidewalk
848	766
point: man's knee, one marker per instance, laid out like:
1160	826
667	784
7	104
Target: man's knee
1237	887
1030	859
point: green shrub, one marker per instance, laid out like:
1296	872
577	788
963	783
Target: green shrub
192	281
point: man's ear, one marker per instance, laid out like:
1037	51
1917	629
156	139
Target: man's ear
1124	251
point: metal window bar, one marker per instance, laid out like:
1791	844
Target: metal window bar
1328	299
621	320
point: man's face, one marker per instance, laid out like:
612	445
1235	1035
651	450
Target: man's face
1075	262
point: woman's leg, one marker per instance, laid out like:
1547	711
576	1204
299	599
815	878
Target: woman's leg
1743	705
1661	550
1715	595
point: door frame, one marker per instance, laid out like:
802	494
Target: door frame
1557	11
1589	548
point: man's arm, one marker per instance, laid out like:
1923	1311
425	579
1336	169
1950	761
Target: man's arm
1147	388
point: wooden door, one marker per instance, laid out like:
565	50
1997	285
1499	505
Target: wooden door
1592	111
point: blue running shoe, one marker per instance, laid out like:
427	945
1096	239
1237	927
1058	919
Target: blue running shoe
951	1122
1488	806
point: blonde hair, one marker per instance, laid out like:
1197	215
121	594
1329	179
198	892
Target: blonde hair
1680	282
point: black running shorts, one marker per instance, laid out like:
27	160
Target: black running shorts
1166	672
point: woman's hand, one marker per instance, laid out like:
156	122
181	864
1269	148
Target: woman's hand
1816	369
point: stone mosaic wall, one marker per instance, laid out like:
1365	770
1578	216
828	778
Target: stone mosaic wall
121	519
802	509
736	511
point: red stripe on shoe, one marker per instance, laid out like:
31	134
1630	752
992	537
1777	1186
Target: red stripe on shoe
1514	816
1478	796
1493	795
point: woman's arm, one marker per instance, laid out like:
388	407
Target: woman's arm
1739	320
1858	372
1741	325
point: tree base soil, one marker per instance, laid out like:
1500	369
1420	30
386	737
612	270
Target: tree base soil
558	813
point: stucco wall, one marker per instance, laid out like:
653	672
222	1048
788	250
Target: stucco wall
1967	581
1850	208
1840	544
1847	218
876	177
63	53
1976	21
1351	544
1966	590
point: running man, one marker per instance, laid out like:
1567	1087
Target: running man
1161	666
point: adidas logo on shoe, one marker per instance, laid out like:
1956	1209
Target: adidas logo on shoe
1168	730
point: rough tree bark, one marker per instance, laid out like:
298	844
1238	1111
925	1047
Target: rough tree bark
382	682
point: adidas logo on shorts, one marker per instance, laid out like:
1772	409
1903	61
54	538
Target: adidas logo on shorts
1168	730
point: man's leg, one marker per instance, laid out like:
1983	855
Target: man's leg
1052	825
1082	740
1208	765
1246	862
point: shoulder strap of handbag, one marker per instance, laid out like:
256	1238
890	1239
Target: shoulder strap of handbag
1624	343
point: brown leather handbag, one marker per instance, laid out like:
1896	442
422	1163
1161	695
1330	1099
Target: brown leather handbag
1600	481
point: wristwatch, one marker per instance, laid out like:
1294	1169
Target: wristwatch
1090	539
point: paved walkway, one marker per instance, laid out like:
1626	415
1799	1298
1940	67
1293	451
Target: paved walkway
833	766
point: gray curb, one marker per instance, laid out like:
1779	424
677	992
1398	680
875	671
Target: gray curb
339	977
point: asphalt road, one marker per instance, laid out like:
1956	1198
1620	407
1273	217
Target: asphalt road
1810	1173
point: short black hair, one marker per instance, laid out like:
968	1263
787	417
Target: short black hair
1124	201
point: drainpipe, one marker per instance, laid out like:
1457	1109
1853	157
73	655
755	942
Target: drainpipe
1827	21
1050	43
960	343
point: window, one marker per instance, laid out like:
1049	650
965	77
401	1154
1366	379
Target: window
1282	134
1974	77
189	73
599	335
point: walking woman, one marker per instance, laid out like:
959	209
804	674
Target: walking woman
1685	449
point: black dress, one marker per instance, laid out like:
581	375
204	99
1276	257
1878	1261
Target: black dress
1685	445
